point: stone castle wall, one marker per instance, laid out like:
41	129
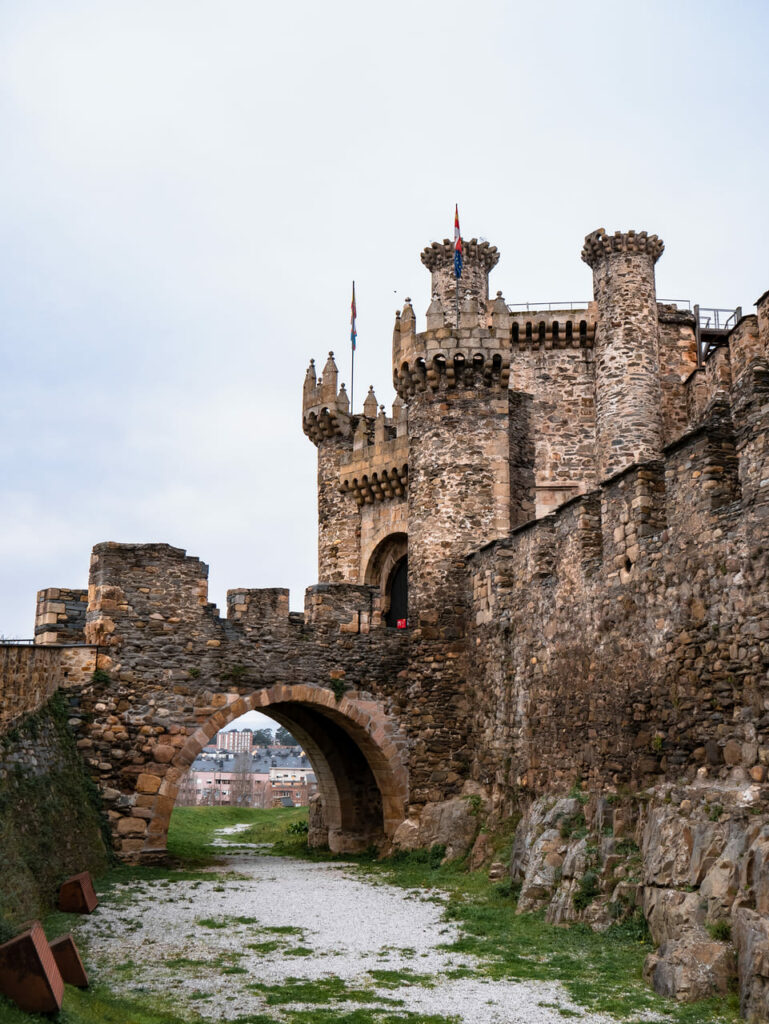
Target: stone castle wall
30	675
60	616
627	635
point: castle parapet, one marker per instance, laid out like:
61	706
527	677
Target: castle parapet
377	467
554	328
446	356
142	591
261	610
60	616
342	607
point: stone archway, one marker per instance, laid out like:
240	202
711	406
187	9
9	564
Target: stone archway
388	556
355	748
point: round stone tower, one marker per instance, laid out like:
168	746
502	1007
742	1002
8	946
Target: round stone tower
627	371
455	382
479	259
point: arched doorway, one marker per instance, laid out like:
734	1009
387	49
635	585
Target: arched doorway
355	748
388	569
397	590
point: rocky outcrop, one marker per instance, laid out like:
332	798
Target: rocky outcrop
692	858
453	824
751	937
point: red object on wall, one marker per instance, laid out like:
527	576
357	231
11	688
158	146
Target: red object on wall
402	623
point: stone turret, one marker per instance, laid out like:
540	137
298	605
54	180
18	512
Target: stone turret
454	379
479	258
325	408
627	367
326	421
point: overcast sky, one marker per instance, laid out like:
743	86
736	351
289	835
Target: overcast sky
188	189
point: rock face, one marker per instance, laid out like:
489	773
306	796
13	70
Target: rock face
452	823
688	971
317	833
692	859
751	936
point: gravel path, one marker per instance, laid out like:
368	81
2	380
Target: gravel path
206	942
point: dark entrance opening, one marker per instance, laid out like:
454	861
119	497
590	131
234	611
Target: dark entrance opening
398	588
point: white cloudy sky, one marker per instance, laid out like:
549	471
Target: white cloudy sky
189	187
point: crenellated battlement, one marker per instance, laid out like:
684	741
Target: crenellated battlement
694	492
476	353
377	467
325	407
479	259
554	328
598	245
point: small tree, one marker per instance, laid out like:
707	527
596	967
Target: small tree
241	787
263	737
284	738
187	795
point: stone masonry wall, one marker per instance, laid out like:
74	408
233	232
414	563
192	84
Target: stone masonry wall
60	616
29	675
678	360
562	426
172	667
627	636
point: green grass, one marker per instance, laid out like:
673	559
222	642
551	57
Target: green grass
97	1005
602	973
320	991
192	830
395	979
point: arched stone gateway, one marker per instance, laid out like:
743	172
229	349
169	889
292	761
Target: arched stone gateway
355	748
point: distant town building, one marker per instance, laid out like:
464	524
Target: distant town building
266	777
237	740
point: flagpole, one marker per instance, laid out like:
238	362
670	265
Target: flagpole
457	256
352	356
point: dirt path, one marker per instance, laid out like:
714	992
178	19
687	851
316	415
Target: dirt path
279	936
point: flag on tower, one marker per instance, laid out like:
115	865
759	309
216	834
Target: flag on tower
353	312
457	245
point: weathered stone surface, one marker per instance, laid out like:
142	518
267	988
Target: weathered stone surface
688	971
751	938
452	824
673	914
619	644
480	852
317	835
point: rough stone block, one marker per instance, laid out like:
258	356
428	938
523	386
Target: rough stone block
77	896
68	961
147	783
29	974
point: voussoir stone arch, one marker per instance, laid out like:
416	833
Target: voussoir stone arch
356	749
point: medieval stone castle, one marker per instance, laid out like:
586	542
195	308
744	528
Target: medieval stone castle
546	569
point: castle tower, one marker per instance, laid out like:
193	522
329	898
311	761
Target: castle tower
326	421
455	382
627	368
479	259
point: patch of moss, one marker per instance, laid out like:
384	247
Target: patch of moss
53	820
